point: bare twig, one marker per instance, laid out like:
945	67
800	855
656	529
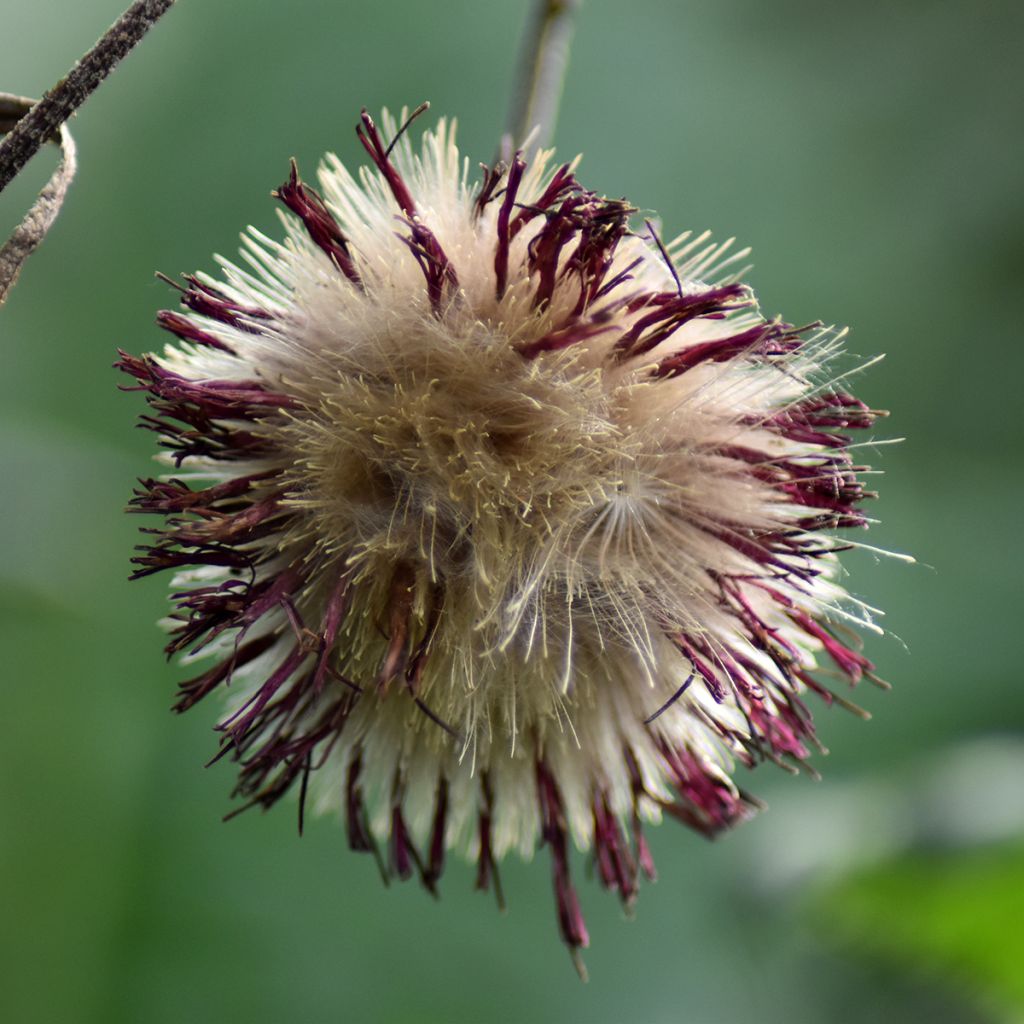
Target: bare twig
42	122
28	125
32	230
543	61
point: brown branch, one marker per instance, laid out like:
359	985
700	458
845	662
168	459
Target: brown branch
42	123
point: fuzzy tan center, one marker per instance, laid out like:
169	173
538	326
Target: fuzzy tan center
453	450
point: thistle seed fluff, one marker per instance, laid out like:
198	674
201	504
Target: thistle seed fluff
497	520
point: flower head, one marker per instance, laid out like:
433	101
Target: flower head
497	520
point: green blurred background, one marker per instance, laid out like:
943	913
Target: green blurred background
871	154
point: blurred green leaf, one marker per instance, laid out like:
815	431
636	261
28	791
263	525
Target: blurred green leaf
953	914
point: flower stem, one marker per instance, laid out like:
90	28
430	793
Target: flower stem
42	123
542	65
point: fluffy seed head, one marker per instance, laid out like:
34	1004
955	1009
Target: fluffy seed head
501	520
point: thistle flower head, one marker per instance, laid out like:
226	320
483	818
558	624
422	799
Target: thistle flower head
497	520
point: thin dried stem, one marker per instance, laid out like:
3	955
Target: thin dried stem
42	123
29	234
542	66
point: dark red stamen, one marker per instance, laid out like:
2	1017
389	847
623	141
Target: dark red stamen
334	615
359	837
562	183
762	340
400	859
318	220
399	621
555	833
641	849
369	136
488	187
194	690
546	246
811	420
616	867
188	331
403	856
208	301
436	267
851	663
564	337
671	311
709	804
435	861
605	224
216	399
486	865
515	176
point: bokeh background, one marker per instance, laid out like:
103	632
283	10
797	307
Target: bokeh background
871	154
